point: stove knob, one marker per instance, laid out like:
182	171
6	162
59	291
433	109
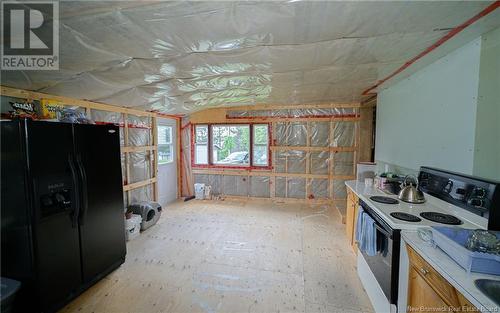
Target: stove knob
479	192
449	187
478	203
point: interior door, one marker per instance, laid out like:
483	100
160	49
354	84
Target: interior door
55	203
102	231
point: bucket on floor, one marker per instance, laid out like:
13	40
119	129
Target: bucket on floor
133	226
199	191
208	192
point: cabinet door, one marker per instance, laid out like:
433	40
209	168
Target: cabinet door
355	208
428	291
349	223
421	297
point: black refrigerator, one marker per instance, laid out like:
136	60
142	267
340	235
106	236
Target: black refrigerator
62	221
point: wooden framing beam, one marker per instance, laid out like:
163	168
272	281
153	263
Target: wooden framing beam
290	119
179	156
154	157
127	156
126	149
268	174
277	106
139	184
312	149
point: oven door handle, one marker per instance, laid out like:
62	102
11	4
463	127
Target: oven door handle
383	231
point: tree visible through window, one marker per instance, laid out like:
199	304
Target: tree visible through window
165	146
231	145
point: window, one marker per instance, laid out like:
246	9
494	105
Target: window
231	145
201	144
165	146
260	145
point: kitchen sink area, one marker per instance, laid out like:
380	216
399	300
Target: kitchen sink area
490	287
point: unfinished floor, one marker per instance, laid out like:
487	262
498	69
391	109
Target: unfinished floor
234	256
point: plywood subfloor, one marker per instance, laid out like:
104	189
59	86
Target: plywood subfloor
234	256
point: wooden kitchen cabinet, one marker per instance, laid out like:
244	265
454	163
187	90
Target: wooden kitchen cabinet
428	291
351	218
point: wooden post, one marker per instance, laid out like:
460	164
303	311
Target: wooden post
154	156
272	192
331	137
127	155
178	145
308	158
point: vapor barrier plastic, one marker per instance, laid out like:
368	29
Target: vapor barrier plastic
339	189
280	189
180	57
295	113
318	189
259	186
296	188
253	186
140	168
319	162
141	194
344	134
106	116
320	134
310	148
291	134
235	185
343	163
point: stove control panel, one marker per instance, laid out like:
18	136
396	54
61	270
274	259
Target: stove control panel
476	195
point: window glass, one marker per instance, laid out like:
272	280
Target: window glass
231	145
201	144
260	145
165	146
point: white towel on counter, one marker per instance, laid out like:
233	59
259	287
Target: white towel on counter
366	233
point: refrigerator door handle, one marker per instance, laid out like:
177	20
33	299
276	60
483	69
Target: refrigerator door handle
76	196
85	201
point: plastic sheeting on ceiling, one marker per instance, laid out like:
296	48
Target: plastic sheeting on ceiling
179	57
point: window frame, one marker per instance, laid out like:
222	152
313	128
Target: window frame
211	164
171	144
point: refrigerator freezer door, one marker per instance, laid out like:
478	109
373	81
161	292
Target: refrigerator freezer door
55	206
102	233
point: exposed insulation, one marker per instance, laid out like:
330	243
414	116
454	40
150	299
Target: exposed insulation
179	57
318	188
323	151
319	162
259	187
320	134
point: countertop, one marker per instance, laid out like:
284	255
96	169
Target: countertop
452	272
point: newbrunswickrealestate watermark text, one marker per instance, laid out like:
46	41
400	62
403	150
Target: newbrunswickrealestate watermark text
30	35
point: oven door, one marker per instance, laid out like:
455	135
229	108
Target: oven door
385	264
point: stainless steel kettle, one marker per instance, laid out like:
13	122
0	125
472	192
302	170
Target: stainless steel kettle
410	193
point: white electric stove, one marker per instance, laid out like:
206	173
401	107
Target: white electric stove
452	199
